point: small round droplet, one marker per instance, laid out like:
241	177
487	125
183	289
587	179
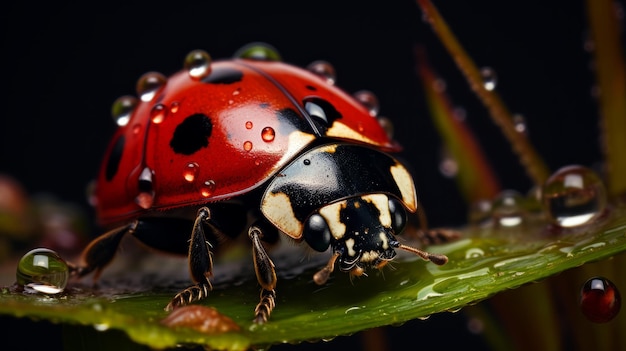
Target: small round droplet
600	300
324	70
268	134
191	171
489	78
42	270
207	188
369	101
387	126
573	195
520	124
145	198
258	51
174	106
149	84
158	113
508	209
198	64
136	128
448	165
122	109
247	145
249	125
480	213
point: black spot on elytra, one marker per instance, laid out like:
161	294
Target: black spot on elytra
224	76
113	163
310	87
192	134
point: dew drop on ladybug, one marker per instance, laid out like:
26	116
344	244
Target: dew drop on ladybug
324	70
249	125
174	106
247	145
145	198
207	188
158	113
369	101
198	64
191	171
149	84
122	108
600	300
268	134
136	129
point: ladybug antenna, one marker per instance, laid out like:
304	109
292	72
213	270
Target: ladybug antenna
437	259
322	275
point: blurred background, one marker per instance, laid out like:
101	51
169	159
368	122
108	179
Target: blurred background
65	64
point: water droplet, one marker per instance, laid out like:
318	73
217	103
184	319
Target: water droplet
448	166
198	64
489	78
149	84
573	196
191	172
42	270
387	126
368	100
123	108
158	113
519	121
508	209
249	125
268	134
259	52
174	106
207	188
247	145
324	70
600	300
136	128
474	252
145	198
480	213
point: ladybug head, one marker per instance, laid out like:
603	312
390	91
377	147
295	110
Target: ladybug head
361	232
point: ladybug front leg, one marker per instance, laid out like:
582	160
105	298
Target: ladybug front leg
200	263
101	251
265	274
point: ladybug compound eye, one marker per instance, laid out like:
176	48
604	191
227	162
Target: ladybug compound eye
317	233
321	111
398	215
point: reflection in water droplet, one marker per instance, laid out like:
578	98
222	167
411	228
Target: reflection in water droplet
489	78
42	270
268	134
324	70
508	209
145	198
600	301
122	109
158	113
247	145
474	252
207	188
198	64
191	171
149	84
174	106
369	101
136	128
573	196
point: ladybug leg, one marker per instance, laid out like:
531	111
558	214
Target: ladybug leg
265	274
200	263
101	251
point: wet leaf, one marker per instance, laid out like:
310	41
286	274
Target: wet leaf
482	263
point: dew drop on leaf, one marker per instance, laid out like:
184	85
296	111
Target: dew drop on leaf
573	196
600	300
42	270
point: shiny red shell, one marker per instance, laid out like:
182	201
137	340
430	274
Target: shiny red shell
202	140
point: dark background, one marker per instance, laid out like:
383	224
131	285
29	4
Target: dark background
64	65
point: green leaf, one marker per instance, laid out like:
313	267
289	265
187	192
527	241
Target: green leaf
482	263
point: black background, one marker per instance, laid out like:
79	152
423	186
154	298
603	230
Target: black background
65	63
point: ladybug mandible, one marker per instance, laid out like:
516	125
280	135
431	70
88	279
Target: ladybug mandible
251	145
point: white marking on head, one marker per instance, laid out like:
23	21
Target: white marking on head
350	247
384	239
331	214
381	202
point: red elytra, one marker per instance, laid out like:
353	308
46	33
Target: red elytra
209	139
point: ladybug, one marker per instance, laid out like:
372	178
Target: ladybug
255	146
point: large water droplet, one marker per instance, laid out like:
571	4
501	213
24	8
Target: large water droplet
573	196
490	78
207	188
191	171
122	109
600	300
508	209
149	84
198	64
324	70
268	134
259	52
369	101
42	270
